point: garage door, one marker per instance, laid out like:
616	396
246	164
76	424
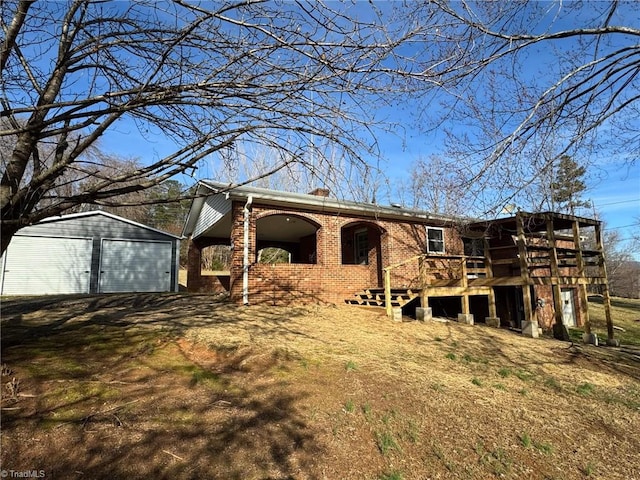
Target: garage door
46	265
135	266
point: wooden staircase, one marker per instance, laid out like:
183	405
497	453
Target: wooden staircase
374	297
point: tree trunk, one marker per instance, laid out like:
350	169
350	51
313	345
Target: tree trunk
6	235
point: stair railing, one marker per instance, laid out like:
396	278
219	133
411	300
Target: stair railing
387	281
457	268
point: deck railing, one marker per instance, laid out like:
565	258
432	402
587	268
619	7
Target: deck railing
438	270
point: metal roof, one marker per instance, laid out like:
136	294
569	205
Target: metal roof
308	202
69	216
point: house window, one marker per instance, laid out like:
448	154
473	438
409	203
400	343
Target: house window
435	240
361	247
473	247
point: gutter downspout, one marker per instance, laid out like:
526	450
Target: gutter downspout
245	260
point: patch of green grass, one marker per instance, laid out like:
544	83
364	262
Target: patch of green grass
74	392
476	381
200	376
350	366
412	431
589	469
284	354
497	460
628	397
437	339
306	363
526	441
625	312
575	334
523	375
585	389
61	368
553	384
471	359
451	356
388	416
544	447
73	400
499	386
441	455
524	392
393	475
386	442
366	410
504	372
349	406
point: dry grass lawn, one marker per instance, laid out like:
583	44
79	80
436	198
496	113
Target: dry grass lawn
185	387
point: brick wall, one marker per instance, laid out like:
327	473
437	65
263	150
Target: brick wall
328	279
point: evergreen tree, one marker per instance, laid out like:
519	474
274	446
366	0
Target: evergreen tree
568	185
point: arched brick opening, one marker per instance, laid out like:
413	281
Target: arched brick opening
296	234
361	244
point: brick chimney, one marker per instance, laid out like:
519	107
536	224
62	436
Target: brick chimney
320	192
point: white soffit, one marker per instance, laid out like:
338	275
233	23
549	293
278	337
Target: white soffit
213	210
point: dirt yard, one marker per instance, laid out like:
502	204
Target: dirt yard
183	386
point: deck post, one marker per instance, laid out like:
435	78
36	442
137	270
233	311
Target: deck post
606	297
559	330
387	292
464	283
582	288
493	319
524	270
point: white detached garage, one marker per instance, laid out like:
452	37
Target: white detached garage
92	252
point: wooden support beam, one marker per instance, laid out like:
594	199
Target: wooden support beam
488	259
524	269
465	302
387	291
493	311
455	291
553	258
603	273
582	289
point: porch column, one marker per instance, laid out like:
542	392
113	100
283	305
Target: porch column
194	261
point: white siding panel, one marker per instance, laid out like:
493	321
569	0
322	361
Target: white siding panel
135	266
47	266
216	207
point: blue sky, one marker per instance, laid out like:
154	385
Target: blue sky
614	188
613	183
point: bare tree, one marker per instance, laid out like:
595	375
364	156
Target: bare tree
528	82
622	271
319	166
207	75
211	76
437	187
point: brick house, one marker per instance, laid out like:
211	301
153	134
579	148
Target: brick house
517	272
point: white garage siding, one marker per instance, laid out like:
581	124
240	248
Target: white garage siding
135	266
46	266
